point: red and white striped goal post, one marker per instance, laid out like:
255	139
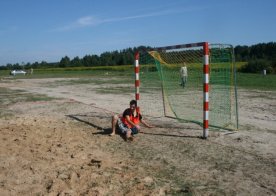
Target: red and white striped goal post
137	80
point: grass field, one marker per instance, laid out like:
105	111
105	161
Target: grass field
256	81
244	80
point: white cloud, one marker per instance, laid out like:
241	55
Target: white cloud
88	21
79	23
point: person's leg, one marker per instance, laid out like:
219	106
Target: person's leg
185	80
114	121
134	130
128	135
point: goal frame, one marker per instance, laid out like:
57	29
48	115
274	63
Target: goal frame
205	71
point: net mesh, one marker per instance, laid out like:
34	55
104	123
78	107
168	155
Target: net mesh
166	92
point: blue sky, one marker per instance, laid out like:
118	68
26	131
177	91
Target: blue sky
37	30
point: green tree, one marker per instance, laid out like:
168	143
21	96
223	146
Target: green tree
86	61
76	62
242	53
64	62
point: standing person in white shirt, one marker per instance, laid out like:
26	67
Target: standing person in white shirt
183	75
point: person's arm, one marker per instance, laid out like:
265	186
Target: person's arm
146	124
129	121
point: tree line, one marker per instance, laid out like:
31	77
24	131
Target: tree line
258	57
122	57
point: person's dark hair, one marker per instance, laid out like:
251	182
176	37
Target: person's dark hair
133	102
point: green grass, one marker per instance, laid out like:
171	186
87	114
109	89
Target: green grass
73	72
9	97
4	73
82	71
239	65
256	81
125	74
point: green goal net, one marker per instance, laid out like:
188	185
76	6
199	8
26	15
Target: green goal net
166	91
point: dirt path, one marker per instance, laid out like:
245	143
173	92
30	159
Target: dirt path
61	147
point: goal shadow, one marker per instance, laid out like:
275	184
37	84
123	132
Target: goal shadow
173	135
84	119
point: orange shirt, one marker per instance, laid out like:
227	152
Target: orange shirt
135	119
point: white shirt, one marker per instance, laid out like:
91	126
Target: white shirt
183	71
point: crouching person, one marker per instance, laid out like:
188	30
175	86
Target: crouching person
128	123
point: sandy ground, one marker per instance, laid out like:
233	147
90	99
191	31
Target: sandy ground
61	147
